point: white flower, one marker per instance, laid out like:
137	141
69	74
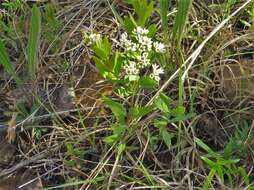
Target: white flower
128	44
124	37
156	72
134	47
124	41
131	68
141	36
144	60
131	71
94	37
140	31
159	47
145	43
137	47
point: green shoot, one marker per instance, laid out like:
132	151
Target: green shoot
33	41
164	5
5	61
180	20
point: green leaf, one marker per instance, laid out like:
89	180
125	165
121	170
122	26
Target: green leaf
99	52
118	63
162	103
145	13
152	30
209	179
104	70
204	146
164	6
180	20
229	177
102	48
33	41
128	24
110	76
244	175
220	172
166	136
5	61
182	117
228	150
121	148
21	108
228	162
165	61
147	82
69	148
118	129
179	111
161	123
100	65
116	14
118	109
106	46
211	163
111	139
137	112
143	10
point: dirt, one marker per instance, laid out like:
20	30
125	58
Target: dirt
7	152
22	181
63	99
223	101
90	87
238	79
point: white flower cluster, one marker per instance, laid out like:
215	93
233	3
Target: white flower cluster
131	70
93	37
156	72
138	48
159	47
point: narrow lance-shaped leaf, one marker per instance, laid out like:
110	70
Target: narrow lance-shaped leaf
116	14
5	61
164	6
180	20
166	136
208	181
33	41
201	144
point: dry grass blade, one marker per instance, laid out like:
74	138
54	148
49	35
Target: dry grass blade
195	54
11	131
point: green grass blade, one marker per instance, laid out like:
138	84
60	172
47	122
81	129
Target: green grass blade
180	20
201	144
5	61
33	41
164	6
116	14
209	179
